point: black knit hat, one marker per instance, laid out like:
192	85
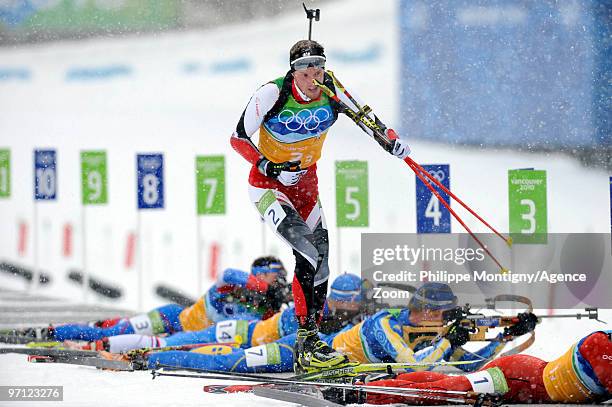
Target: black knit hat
305	48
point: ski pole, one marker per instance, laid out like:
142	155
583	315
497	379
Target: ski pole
361	121
443	201
366	110
413	164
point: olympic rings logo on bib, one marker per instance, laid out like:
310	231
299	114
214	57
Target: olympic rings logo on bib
306	118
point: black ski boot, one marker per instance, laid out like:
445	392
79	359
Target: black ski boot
37	334
312	354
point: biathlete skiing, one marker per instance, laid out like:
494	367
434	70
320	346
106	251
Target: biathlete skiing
293	116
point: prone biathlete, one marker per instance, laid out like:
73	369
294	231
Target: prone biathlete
386	337
236	294
341	310
240	295
378	338
342	307
583	374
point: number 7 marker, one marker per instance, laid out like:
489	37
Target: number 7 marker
210	198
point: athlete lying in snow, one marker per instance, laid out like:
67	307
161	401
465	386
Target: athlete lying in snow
380	338
582	375
236	295
341	308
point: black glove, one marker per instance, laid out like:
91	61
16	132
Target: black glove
273	170
526	323
453	314
457	335
275	296
354	396
343	396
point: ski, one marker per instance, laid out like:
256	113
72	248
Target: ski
188	347
50	352
327	374
350	371
17	336
241	388
93	361
49	345
460	397
248	377
12	339
299	395
292	397
71	356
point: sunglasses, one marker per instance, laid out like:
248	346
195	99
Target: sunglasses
314	61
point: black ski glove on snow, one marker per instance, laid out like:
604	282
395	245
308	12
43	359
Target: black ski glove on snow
526	323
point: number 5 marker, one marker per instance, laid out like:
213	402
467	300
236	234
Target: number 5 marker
352	194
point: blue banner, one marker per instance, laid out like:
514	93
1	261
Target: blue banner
506	72
45	175
150	181
432	215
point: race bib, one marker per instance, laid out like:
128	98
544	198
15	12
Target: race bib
231	331
488	381
142	324
271	210
268	354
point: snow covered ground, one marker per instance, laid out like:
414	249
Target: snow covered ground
177	100
87	386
